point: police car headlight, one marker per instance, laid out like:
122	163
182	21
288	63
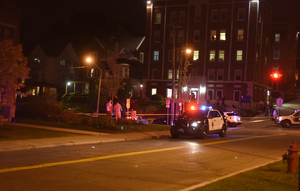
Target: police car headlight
195	123
279	118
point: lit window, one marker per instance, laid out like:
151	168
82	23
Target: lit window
196	55
173	17
169	92
196	35
156	36
221	55
177	74
277	37
240	35
239	55
276	54
37	60
158	18
222	34
241	14
154	91
211	74
181	16
238	75
92	73
156	55
170	74
214	15
223	16
213	35
220	75
212	55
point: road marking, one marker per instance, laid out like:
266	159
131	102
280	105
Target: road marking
126	154
257	121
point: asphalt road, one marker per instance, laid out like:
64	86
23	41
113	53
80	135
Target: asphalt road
161	164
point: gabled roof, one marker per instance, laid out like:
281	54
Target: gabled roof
54	51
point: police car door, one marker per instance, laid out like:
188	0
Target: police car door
218	120
215	120
296	117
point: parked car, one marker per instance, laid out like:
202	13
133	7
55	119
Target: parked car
199	123
232	119
288	120
162	120
141	119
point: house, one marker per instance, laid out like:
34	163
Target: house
55	70
130	57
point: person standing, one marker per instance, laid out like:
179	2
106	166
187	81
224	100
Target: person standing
117	109
266	110
208	100
133	108
109	108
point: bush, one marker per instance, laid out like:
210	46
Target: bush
157	97
105	122
88	120
127	122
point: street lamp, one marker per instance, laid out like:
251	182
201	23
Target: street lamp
89	60
141	93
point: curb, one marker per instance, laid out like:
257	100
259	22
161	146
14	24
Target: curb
82	143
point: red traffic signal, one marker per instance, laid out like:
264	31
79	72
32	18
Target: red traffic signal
276	75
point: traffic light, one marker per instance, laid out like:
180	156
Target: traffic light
276	75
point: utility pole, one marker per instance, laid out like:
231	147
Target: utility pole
173	77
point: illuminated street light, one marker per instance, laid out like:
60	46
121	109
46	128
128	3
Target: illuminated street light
89	60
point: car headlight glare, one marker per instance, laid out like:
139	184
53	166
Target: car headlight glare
195	123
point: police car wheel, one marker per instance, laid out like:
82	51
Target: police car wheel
223	131
204	132
286	124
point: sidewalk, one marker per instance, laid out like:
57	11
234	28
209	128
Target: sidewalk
85	137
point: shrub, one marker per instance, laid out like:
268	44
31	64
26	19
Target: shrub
88	120
105	122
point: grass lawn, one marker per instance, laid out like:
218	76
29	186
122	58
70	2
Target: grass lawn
11	132
267	178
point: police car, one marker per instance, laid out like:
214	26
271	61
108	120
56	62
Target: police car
232	119
199	122
288	120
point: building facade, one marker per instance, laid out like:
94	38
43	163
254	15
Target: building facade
229	42
283	59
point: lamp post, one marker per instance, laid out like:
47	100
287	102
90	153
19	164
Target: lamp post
182	73
141	93
89	60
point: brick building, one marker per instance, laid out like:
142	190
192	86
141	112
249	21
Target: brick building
230	43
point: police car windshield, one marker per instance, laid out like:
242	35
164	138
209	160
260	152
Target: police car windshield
194	114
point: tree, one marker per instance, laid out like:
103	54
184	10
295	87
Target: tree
13	68
114	81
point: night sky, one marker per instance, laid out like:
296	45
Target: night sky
38	15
